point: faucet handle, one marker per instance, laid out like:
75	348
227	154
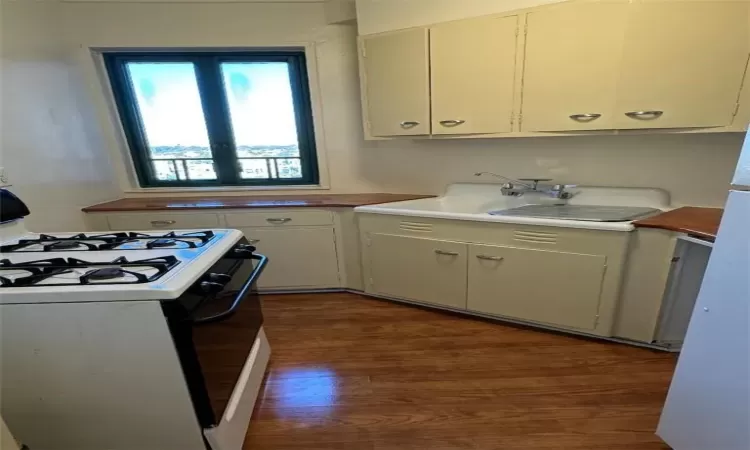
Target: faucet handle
535	181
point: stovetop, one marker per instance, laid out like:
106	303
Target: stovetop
118	266
76	272
111	241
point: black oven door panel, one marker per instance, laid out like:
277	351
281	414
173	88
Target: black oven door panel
215	328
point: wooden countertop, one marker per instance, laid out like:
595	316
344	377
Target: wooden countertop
701	222
242	202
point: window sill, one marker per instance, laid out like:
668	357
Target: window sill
186	190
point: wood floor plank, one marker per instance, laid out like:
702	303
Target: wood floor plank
349	372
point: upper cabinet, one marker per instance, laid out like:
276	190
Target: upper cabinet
683	64
472	75
575	66
395	73
742	119
572	66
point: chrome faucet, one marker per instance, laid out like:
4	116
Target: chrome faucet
516	188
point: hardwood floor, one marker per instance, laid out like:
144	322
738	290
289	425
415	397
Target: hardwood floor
348	372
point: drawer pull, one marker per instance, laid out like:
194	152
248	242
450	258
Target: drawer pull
644	115
163	223
452	123
409	124
446	253
279	221
585	117
490	258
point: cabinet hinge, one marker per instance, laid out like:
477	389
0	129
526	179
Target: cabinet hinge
372	282
526	29
736	109
363	50
520	120
512	119
596	322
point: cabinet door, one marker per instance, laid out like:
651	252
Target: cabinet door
424	270
473	65
683	64
742	119
396	77
572	66
297	257
550	287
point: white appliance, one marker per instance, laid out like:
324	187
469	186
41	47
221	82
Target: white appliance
106	338
708	406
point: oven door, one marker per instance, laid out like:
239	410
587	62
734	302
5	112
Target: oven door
223	349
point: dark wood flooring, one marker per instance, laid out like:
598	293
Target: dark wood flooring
348	372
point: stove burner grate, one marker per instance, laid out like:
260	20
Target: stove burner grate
118	271
110	241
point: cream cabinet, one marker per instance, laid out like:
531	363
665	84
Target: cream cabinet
423	270
550	287
298	258
572	65
742	119
473	66
395	79
683	64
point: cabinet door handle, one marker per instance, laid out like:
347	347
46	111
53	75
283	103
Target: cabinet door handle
163	223
253	241
446	253
585	117
644	115
409	124
490	258
451	123
279	221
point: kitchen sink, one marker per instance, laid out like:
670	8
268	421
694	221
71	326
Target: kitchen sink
588	213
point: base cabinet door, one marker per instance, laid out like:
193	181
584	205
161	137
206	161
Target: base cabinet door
550	287
424	270
297	257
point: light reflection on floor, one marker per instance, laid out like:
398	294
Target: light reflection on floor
300	388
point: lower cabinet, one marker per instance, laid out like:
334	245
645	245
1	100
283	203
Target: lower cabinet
551	287
298	257
425	270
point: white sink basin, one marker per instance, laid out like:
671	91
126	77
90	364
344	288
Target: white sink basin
470	201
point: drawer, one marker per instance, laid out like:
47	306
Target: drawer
279	218
162	221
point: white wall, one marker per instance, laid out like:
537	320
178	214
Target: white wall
696	169
378	16
233	25
48	146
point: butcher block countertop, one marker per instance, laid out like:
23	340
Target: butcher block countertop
700	222
242	202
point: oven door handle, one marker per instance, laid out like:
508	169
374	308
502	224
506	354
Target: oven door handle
262	262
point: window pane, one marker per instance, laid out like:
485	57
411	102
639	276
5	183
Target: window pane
261	109
254	168
289	168
164	170
201	169
170	107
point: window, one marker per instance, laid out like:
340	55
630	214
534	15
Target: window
216	119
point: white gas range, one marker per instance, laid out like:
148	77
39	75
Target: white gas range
120	266
106	338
